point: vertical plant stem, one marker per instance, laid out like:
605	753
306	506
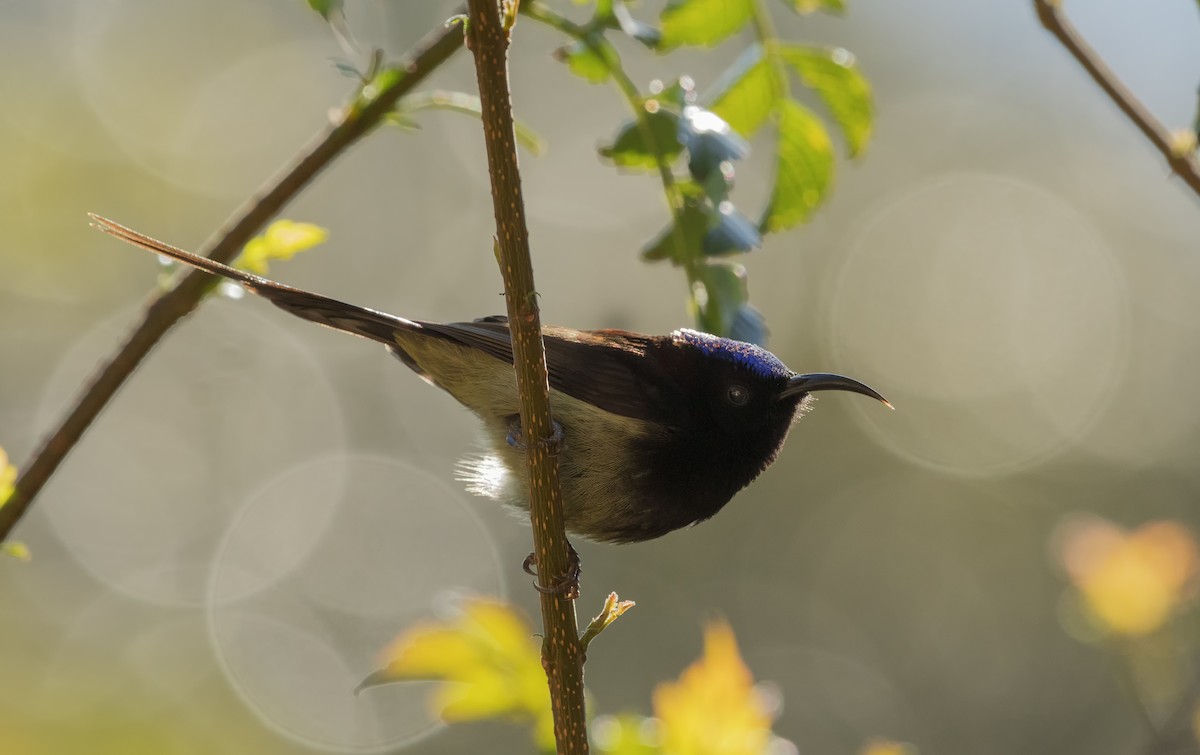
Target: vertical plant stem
562	656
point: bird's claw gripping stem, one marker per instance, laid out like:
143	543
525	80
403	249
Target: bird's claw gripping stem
566	586
555	443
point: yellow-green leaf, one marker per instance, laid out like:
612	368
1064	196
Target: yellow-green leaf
834	76
593	59
702	22
683	237
808	6
803	168
282	240
747	92
713	709
8	477
641	144
488	661
613	609
16	550
326	8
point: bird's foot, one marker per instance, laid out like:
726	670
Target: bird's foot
555	443
566	586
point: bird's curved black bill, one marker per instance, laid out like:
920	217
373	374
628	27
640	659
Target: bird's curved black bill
827	381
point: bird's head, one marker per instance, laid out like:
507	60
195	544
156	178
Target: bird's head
747	389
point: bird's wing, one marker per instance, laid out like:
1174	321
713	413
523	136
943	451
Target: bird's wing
606	368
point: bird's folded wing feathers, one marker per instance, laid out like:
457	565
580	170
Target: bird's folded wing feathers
605	368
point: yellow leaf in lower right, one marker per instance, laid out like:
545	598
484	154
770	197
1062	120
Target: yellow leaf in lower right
713	709
8	476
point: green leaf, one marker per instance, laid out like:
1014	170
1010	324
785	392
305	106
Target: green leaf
613	609
808	6
282	240
686	242
747	92
593	59
803	168
630	148
832	74
702	22
719	291
326	8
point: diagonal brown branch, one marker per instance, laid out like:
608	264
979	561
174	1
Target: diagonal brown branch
562	655
357	120
1184	164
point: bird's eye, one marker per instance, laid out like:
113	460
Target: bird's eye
738	395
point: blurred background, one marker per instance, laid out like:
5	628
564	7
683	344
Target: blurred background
267	503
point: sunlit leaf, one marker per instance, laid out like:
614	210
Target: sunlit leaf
1182	142
833	75
702	22
614	608
8	477
593	60
1131	582
489	662
282	240
333	11
709	141
632	149
808	6
803	168
713	709
747	92
17	550
326	8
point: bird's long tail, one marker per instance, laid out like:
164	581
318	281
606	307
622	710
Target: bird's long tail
378	326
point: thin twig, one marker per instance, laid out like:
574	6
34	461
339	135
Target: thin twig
562	655
1183	163
162	313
